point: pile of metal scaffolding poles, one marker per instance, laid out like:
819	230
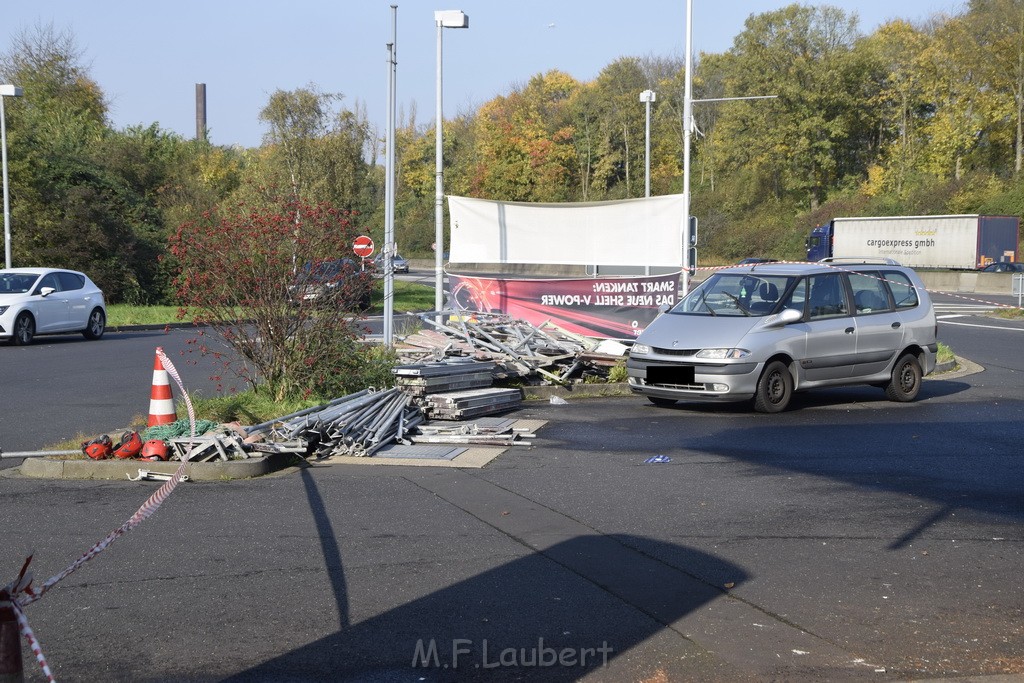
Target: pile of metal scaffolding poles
358	424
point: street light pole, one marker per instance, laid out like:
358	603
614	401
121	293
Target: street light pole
689	231
648	96
389	188
687	130
443	19
6	90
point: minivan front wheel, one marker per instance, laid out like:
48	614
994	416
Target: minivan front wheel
906	379
774	389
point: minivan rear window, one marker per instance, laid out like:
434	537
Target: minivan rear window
903	291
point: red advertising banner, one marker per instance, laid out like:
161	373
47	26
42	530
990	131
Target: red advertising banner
608	307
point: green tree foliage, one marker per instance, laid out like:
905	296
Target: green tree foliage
523	140
896	88
320	153
85	196
68	208
798	145
619	168
996	52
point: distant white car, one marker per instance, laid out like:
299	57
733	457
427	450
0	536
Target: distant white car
398	263
49	301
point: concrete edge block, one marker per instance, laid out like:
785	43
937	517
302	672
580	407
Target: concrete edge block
47	468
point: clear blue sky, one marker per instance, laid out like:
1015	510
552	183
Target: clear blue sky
147	57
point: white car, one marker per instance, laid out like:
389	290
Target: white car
767	330
49	301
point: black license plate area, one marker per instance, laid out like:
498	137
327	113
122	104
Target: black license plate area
670	374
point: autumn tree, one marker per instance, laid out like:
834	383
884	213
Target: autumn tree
320	152
236	280
996	54
896	88
524	148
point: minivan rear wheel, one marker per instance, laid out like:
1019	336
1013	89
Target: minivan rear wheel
774	389
906	379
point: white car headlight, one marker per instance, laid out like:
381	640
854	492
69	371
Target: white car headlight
3	309
722	354
639	350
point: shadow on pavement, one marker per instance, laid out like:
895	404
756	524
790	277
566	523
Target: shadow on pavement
553	615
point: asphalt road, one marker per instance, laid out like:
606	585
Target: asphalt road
848	538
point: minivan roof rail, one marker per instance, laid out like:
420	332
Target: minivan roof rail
861	259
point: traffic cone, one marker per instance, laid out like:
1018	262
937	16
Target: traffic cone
161	404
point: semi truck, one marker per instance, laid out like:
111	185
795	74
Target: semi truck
956	242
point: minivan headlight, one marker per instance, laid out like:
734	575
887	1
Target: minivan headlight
639	350
722	354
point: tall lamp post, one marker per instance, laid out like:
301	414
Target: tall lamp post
6	90
389	188
648	96
450	18
687	131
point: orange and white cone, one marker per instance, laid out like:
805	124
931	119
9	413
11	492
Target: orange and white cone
161	404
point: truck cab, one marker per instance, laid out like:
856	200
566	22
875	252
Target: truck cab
819	243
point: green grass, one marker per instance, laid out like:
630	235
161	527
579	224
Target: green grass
409	297
119	315
1010	313
944	354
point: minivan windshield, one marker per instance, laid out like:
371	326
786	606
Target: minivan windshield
736	294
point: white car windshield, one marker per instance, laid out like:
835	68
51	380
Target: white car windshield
17	283
735	294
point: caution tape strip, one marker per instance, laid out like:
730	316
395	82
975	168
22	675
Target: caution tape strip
22	586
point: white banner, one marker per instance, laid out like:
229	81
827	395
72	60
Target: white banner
628	232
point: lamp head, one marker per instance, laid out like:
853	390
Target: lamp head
451	18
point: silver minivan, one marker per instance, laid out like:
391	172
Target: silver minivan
764	331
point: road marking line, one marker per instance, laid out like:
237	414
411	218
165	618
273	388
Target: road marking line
987	327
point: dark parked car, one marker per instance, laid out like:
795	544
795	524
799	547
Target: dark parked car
337	282
1003	267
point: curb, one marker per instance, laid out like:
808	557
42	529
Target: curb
576	391
45	468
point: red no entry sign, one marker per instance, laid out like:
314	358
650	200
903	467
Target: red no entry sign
363	246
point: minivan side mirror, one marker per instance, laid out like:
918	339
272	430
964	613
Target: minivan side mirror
787	316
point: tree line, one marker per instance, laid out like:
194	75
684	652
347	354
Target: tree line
910	119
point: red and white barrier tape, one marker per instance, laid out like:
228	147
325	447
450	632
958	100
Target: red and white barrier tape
10	595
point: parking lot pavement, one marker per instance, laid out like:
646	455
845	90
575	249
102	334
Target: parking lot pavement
755	548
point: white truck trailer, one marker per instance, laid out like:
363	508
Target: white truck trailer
959	242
